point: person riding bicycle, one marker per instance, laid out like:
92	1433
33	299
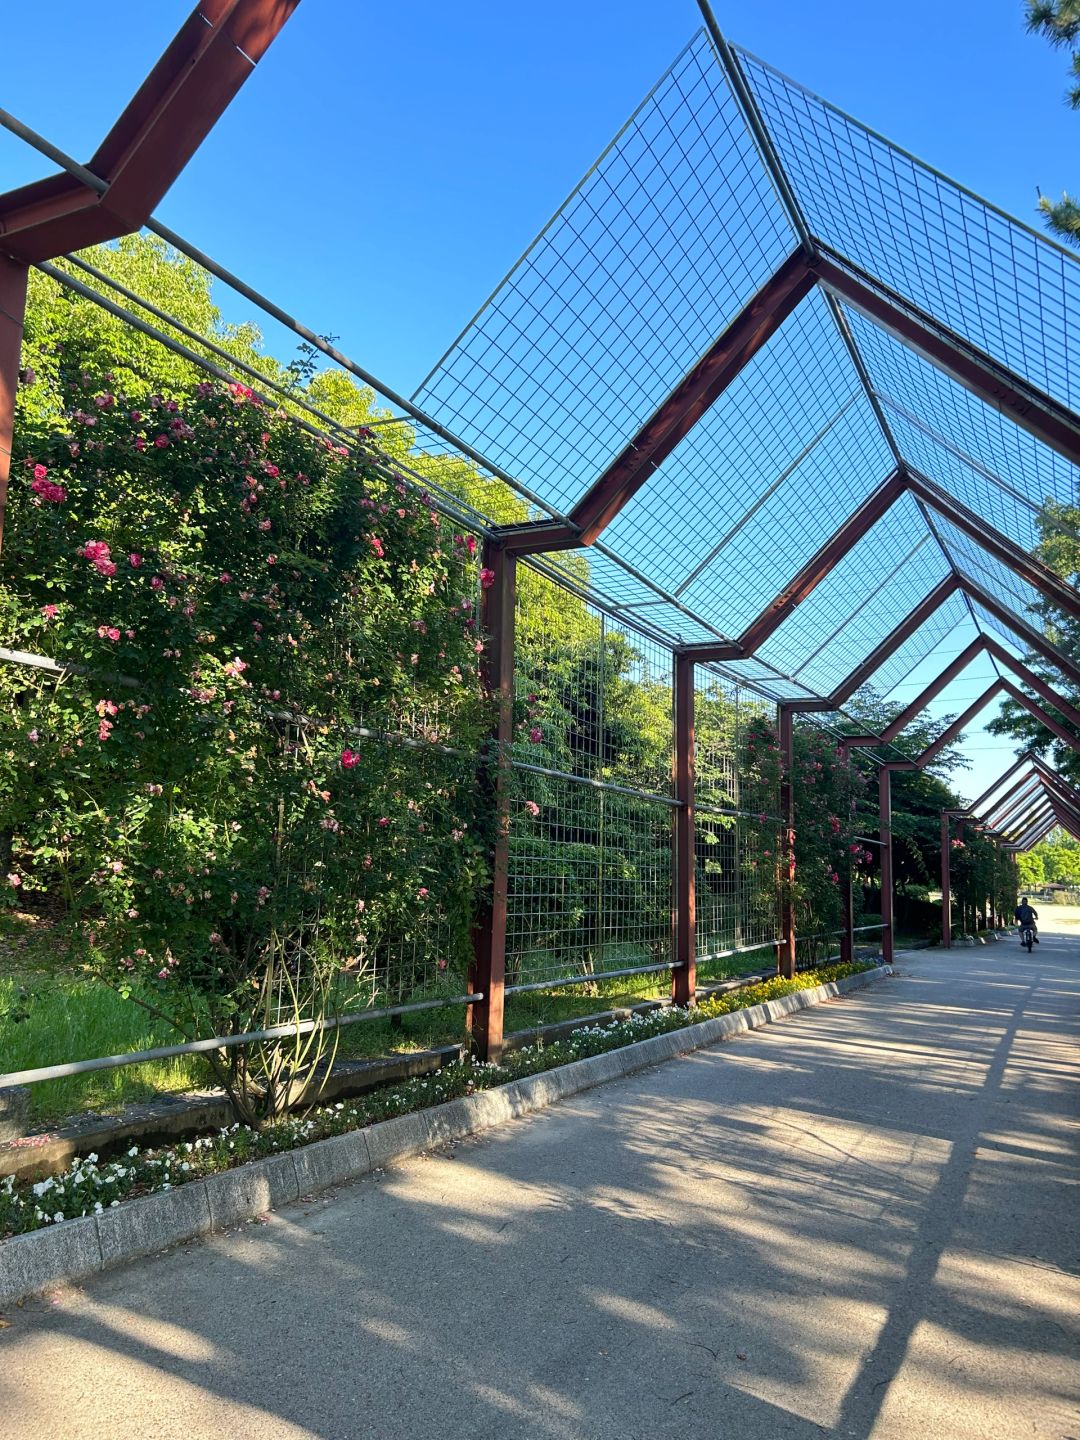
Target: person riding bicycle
1027	915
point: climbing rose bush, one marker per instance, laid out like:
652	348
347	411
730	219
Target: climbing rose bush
240	611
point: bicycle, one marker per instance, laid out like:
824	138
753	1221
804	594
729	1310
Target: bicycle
1027	937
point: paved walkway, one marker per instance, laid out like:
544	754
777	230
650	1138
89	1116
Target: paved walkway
859	1222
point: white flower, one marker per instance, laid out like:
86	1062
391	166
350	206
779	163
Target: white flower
58	1216
98	1207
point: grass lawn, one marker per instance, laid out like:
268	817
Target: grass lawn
51	1012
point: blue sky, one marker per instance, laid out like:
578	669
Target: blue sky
386	164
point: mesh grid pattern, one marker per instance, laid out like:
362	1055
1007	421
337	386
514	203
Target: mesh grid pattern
593	698
856	605
970	449
950	622
986	570
794	422
590	881
657	250
735	853
1007	290
1010	638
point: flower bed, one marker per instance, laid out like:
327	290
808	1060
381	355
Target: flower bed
89	1188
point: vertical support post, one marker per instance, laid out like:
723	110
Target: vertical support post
13	276
946	884
847	885
684	979
885	836
786	948
485	1018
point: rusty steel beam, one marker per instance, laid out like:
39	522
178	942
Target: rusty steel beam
808	578
1005	815
13	276
785	950
1038	829
683	983
921	701
1030	636
1039	576
1027	758
698	390
1053	780
1022	816
903	632
948	735
1034	708
692	397
484	1018
1002	810
207	62
1042	689
885	836
1045	418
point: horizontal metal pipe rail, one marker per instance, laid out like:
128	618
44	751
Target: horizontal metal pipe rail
759	815
224	1042
596	784
592	979
736	950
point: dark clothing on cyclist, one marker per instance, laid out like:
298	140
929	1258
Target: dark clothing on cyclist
1027	915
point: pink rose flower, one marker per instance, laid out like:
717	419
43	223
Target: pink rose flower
349	759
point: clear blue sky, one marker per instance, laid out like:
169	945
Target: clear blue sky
387	164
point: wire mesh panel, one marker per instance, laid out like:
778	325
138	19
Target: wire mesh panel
969	448
736	837
593	696
951	619
1009	291
591	815
858	602
590	876
659	247
795	421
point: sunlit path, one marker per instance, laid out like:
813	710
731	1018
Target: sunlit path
859	1222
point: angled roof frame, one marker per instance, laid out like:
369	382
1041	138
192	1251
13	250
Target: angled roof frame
908	272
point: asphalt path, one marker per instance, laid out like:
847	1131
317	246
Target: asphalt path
861	1221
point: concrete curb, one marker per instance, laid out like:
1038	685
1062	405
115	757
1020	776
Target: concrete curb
76	1249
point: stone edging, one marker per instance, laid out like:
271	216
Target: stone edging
76	1249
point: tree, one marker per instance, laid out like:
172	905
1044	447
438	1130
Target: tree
1031	870
1059	549
1059	22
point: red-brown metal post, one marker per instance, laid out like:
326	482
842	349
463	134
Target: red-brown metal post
683	978
946	884
786	948
488	977
847	886
13	275
885	836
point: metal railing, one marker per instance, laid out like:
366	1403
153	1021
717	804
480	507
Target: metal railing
225	1042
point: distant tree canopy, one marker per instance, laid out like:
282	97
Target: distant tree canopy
1059	22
